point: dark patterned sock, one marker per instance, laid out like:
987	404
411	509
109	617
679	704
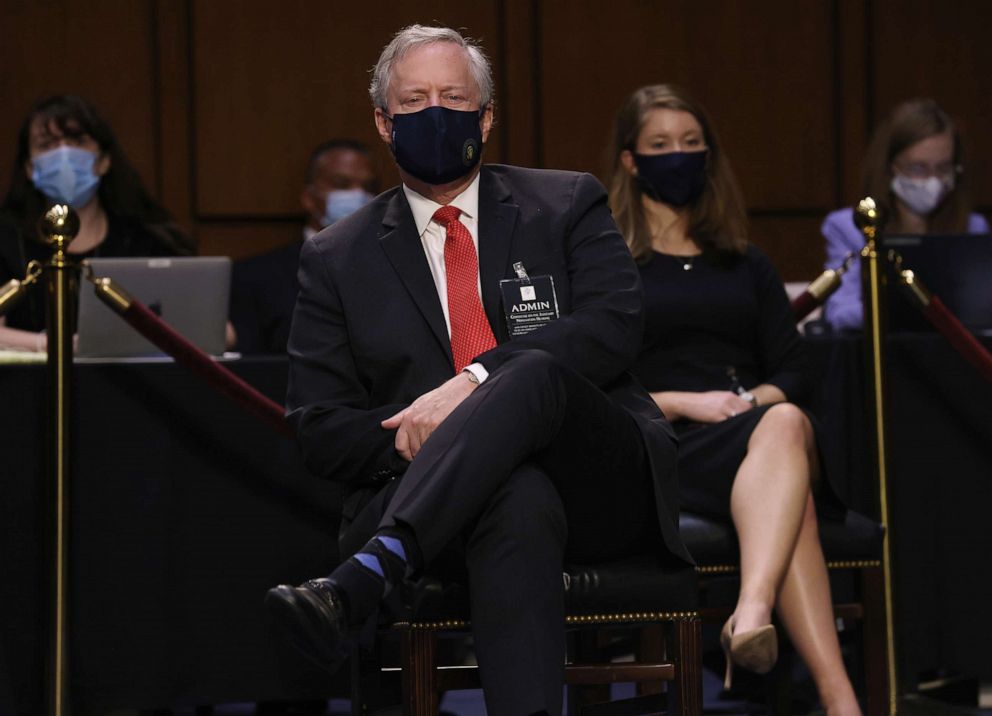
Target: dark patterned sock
359	587
364	579
398	553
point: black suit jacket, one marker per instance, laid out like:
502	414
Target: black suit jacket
369	334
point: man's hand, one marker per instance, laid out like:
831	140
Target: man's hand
415	423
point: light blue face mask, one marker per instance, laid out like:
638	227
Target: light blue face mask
65	174
341	202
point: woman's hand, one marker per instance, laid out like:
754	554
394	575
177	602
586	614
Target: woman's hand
712	406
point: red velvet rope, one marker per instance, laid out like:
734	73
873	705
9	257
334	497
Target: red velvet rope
958	336
196	361
803	305
821	288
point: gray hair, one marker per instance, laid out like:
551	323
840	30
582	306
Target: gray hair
416	36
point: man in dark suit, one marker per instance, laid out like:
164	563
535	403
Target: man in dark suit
339	179
459	359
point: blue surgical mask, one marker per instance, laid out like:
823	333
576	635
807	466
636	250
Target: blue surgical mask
65	174
341	202
675	178
437	145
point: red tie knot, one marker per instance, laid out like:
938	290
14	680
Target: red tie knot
446	214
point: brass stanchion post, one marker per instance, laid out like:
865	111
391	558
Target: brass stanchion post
58	227
868	217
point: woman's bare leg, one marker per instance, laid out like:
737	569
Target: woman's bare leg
806	610
767	502
781	558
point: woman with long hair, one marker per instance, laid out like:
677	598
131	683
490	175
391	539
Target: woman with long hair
915	168
722	359
66	153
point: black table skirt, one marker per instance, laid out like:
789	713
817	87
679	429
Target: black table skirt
940	485
185	511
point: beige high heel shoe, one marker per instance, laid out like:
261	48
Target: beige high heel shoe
755	650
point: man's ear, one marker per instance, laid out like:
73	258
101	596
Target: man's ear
383	126
487	122
309	203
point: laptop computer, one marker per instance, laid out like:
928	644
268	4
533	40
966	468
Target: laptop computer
955	267
189	293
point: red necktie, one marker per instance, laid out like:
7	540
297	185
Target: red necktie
470	331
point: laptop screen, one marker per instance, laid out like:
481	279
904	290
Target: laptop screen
189	293
955	267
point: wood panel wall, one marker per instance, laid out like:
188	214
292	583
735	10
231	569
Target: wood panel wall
218	102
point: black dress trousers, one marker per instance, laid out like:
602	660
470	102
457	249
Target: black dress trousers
535	467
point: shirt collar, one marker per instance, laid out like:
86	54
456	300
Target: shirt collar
423	208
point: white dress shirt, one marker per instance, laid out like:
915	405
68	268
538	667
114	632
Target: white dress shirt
432	237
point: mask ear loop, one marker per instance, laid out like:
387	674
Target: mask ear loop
392	133
642	184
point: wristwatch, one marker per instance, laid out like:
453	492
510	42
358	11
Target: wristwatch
750	397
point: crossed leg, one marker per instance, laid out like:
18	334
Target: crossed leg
782	563
535	448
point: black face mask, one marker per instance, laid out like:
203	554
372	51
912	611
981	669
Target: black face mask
437	145
675	178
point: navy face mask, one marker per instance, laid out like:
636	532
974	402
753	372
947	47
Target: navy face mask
675	178
437	144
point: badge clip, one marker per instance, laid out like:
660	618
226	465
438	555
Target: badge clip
518	268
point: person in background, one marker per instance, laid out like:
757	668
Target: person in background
915	167
66	153
339	179
723	360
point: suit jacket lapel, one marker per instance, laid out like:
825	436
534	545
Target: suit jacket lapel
403	249
497	218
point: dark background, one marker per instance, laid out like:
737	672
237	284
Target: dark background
218	102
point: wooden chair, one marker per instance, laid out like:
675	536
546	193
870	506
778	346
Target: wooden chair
636	593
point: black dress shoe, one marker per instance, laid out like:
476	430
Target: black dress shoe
314	618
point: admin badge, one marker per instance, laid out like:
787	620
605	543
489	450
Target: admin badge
528	303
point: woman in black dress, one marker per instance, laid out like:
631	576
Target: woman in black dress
723	360
67	153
